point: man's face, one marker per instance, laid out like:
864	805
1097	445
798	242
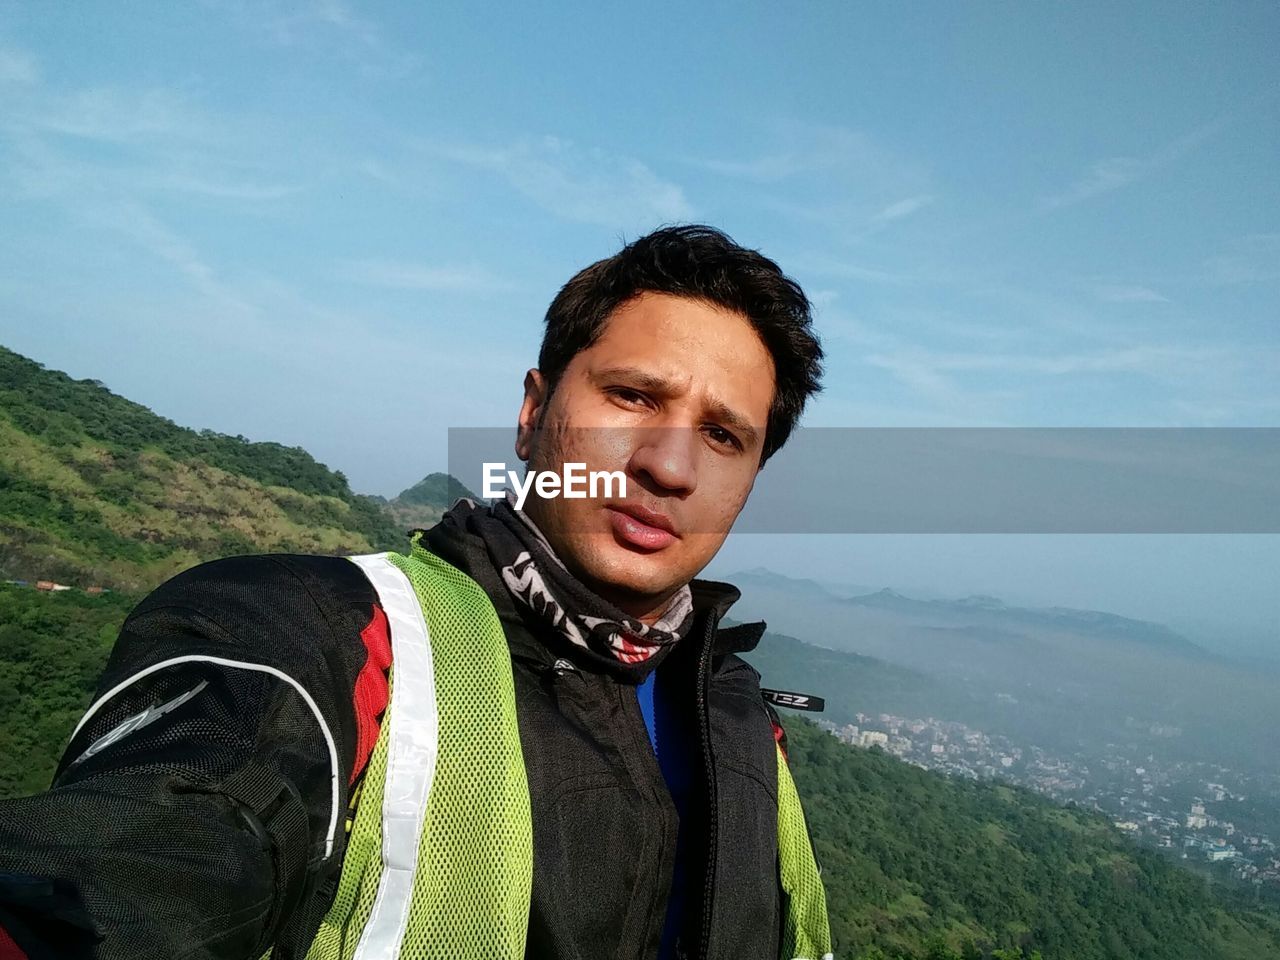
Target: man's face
675	394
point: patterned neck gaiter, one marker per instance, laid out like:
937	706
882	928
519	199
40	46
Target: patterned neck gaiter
537	578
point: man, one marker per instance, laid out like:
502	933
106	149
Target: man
531	736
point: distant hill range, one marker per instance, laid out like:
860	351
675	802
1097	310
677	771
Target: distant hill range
1056	676
979	610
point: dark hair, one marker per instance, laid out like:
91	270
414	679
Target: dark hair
701	263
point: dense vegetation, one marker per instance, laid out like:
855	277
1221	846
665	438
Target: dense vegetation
95	489
52	648
919	867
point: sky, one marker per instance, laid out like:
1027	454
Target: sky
339	226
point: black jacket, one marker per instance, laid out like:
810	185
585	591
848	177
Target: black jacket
201	833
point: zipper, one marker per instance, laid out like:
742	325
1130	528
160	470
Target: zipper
648	761
713	827
557	671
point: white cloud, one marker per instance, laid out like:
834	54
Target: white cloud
811	148
339	15
226	190
1143	358
1122	293
903	208
1112	173
1214	384
331	29
1103	176
401	275
1252	259
1229	410
299	21
160	142
834	269
18	67
155	236
115	115
585	184
764	169
842	178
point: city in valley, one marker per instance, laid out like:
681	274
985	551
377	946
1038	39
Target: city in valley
1220	819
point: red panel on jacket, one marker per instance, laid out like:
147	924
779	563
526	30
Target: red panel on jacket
371	689
8	949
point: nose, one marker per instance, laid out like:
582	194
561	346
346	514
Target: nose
666	457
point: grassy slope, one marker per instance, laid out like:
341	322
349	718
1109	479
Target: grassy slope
97	489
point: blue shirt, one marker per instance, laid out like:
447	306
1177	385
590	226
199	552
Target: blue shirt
671	744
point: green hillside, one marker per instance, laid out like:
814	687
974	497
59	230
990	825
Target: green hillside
920	867
95	489
52	648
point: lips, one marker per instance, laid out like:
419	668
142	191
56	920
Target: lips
642	528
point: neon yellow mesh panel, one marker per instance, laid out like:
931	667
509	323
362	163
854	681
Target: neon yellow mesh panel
475	861
475	857
806	933
340	930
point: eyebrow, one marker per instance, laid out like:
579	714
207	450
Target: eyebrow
662	386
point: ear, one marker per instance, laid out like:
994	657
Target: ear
531	408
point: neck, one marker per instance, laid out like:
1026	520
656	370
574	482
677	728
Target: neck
648	610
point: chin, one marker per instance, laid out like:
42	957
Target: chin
624	570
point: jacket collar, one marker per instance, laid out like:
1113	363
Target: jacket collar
464	549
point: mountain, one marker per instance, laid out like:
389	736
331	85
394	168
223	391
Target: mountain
993	611
96	489
1067	679
423	504
762	578
988	609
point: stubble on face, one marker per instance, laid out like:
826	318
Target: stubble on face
675	394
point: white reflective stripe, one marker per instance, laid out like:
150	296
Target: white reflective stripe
258	668
413	742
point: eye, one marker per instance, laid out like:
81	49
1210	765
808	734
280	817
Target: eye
628	397
722	437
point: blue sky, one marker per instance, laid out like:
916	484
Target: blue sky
339	226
